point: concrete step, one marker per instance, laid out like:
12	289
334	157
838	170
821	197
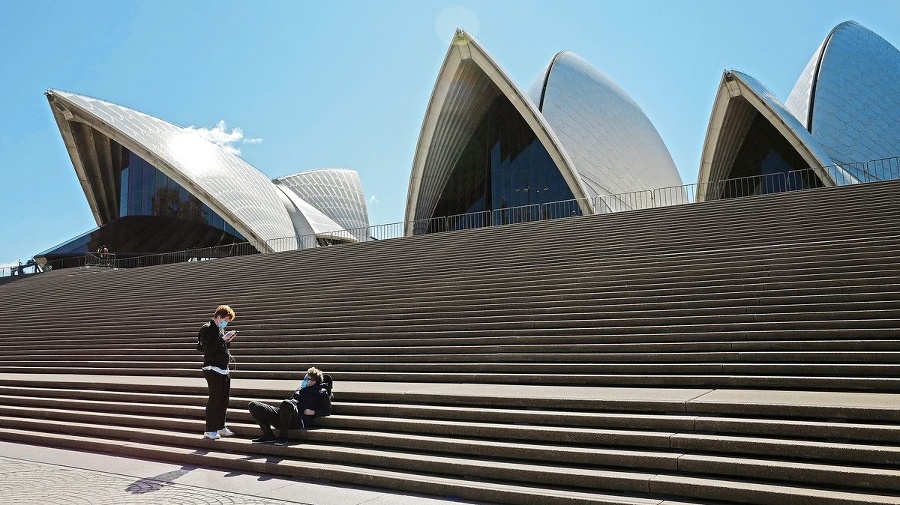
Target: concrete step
406	417
224	456
846	367
448	437
847	406
439	350
572	478
737	351
839	339
888	385
481	292
539	354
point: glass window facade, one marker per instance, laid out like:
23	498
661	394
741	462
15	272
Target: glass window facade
145	191
503	166
156	215
766	163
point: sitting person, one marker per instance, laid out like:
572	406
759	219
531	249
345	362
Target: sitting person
311	399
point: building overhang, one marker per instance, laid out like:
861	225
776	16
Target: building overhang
739	99
307	217
468	80
94	178
336	193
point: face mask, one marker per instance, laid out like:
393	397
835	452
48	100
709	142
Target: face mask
303	383
223	323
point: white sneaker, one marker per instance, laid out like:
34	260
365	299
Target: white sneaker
212	435
225	432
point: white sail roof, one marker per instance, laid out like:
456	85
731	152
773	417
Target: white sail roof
739	99
230	186
600	140
848	95
336	193
468	82
613	145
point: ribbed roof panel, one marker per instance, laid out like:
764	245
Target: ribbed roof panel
855	96
739	99
613	145
468	83
235	190
468	98
336	193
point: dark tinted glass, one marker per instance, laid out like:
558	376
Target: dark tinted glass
145	191
766	163
505	169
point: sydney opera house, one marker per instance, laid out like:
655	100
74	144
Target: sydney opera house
490	153
155	187
840	124
486	145
577	138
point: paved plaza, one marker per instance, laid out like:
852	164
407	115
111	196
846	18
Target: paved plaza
47	476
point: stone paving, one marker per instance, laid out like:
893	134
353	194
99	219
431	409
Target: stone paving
39	475
27	482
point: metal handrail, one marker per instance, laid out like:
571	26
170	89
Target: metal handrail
20	269
838	174
101	260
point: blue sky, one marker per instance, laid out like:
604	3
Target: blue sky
344	84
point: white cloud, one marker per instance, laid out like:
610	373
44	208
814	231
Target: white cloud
374	199
220	136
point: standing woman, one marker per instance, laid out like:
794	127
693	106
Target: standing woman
214	341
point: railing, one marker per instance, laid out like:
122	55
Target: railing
839	175
100	260
190	255
20	269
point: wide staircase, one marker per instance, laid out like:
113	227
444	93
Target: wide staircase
738	351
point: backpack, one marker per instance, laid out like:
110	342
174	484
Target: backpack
200	341
328	383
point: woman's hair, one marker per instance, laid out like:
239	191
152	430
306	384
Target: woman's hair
224	311
316	375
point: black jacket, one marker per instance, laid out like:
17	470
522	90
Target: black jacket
316	397
215	348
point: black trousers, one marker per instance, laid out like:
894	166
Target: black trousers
285	417
217	404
